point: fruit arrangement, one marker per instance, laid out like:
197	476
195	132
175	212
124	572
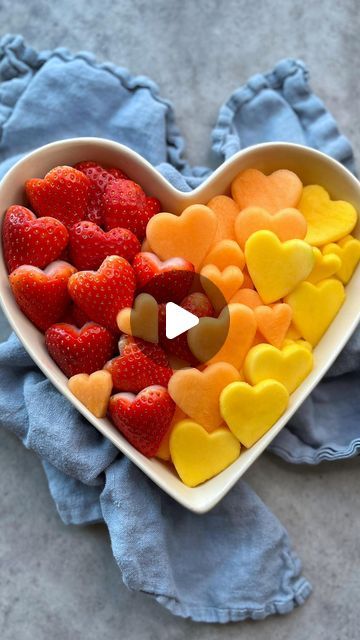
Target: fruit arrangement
93	262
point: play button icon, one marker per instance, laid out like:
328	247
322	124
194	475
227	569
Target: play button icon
178	320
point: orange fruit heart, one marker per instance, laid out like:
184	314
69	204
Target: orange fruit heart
287	224
274	322
92	390
225	253
248	297
226	211
220	286
280	190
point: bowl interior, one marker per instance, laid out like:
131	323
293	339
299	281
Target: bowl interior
311	166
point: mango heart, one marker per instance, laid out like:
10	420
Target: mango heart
226	211
92	390
226	338
348	253
315	306
290	365
197	392
198	455
328	220
188	236
325	266
287	224
140	321
220	286
275	267
225	253
280	190
250	411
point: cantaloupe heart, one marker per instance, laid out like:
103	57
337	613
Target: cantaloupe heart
225	253
314	307
280	190
93	391
277	267
287	224
226	211
250	411
199	455
141	320
348	253
273	322
328	220
220	286
290	365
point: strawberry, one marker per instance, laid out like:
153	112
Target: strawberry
139	365
42	295
126	206
63	194
75	315
143	419
90	245
99	178
153	206
82	350
31	240
198	304
166	281
117	173
102	294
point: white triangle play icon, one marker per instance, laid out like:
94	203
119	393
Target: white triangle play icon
178	320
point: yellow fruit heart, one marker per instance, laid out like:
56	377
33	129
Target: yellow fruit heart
250	411
315	306
324	266
328	220
220	286
142	320
197	392
188	236
348	253
92	390
277	267
290	365
198	455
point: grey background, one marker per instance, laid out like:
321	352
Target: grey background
61	582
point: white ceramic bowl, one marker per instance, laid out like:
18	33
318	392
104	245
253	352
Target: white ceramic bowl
311	166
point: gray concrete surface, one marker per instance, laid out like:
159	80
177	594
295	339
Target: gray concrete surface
61	582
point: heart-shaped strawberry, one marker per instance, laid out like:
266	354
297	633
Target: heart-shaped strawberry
139	365
79	350
196	303
64	194
143	419
102	294
90	245
99	178
42	295
165	281
75	315
31	240
127	206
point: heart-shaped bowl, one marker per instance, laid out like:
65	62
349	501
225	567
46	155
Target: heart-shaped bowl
311	166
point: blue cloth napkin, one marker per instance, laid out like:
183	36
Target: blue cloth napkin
235	562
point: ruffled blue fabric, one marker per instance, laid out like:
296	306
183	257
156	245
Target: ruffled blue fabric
186	562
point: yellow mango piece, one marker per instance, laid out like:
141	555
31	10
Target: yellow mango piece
225	253
299	341
277	267
325	266
315	306
92	390
220	286
197	392
289	365
198	455
328	220
250	411
140	321
348	252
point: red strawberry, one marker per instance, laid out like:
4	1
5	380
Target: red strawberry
90	245
42	295
31	240
139	365
198	304
153	206
143	419
75	315
102	294
117	173
63	194
82	350
99	178
166	281
125	206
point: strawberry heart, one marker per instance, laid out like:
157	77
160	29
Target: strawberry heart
126	205
99	178
102	294
31	240
42	295
143	419
63	194
82	350
90	245
168	280
139	365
